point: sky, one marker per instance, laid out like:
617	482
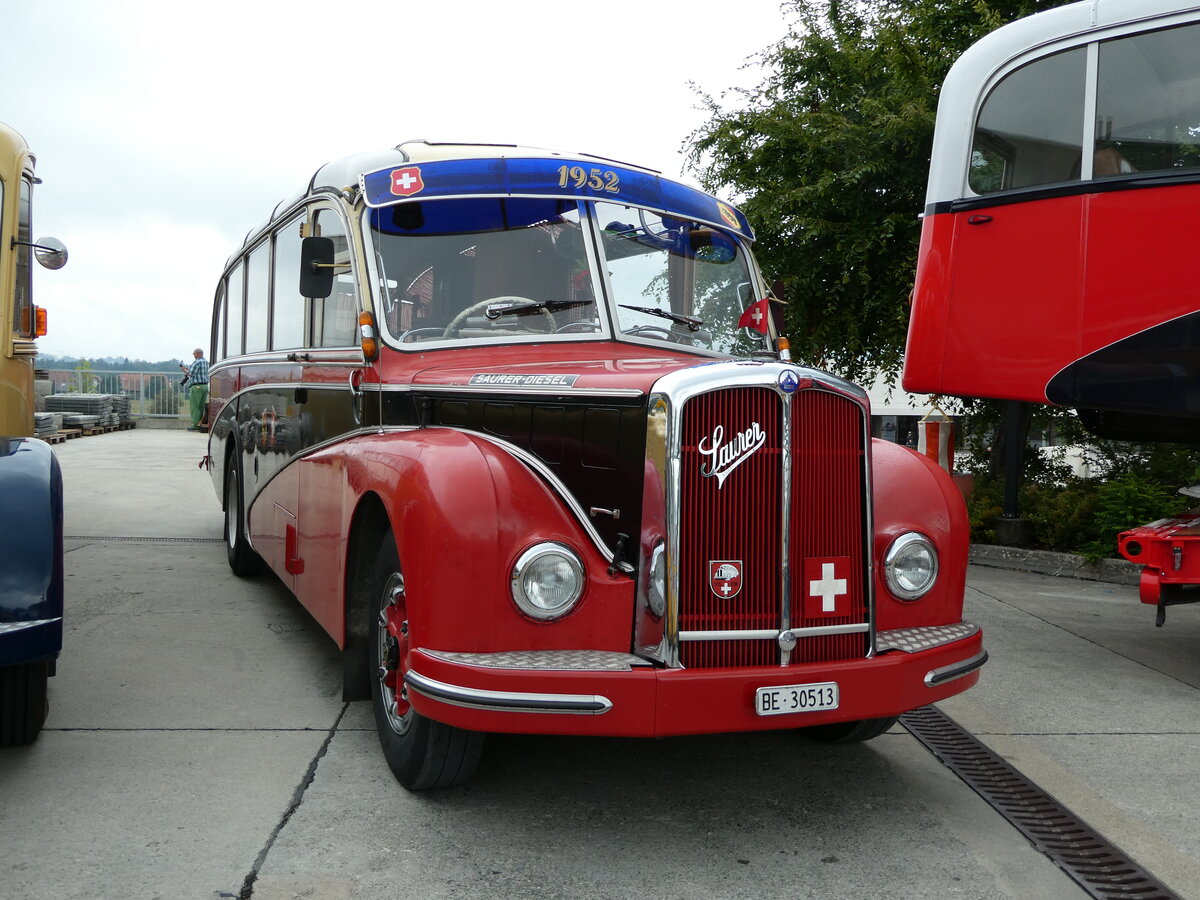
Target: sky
164	131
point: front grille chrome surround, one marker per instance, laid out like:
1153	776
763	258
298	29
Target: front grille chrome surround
726	444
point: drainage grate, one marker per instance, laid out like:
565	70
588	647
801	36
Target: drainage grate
1096	865
109	538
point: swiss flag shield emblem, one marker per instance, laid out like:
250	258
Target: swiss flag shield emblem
827	587
725	577
407	181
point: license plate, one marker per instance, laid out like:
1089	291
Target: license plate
796	698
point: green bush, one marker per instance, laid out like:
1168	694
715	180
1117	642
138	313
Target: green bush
1130	499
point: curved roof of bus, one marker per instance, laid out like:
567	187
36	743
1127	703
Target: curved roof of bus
983	63
14	144
344	173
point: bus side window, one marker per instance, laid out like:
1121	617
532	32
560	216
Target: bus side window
1030	128
1147	112
258	287
222	306
234	323
287	312
335	318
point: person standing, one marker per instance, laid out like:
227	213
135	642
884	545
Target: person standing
197	377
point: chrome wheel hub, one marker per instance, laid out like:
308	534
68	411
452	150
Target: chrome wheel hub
391	651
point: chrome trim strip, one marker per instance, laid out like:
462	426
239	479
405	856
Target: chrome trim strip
628	393
541	469
14	627
558	660
768	634
785	526
349	356
940	676
507	701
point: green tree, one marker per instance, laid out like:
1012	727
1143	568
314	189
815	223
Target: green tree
829	158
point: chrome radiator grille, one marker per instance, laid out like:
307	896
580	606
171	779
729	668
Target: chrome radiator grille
735	483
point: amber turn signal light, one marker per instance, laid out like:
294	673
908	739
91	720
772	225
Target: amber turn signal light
367	337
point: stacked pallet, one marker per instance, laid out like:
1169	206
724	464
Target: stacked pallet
47	425
122	409
81	420
86	411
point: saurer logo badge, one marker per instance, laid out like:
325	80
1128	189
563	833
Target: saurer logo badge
725	577
725	456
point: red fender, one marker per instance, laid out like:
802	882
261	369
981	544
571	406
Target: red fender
463	510
912	493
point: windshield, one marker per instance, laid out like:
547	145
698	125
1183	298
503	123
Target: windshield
676	280
511	269
503	269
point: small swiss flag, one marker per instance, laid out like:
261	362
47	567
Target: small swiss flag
756	316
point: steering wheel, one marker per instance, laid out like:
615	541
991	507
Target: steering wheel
585	327
476	308
666	333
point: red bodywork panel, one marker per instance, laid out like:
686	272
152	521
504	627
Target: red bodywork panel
1006	306
651	702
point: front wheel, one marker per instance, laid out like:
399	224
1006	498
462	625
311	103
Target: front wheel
422	754
23	704
852	732
243	559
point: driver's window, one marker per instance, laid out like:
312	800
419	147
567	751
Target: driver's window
335	318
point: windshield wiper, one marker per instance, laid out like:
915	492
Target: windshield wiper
517	309
691	322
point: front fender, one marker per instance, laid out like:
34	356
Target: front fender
463	509
912	493
31	556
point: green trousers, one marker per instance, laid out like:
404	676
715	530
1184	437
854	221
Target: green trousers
198	399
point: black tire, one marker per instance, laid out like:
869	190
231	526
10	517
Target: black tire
23	703
422	754
243	559
853	732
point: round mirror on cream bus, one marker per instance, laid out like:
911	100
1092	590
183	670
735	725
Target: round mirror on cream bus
50	252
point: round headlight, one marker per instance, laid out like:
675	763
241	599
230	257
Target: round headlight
547	581
910	566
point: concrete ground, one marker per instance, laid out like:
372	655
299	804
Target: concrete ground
198	747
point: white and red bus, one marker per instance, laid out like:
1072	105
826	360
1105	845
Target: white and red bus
1056	259
516	429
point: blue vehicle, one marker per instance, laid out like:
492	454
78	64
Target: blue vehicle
31	505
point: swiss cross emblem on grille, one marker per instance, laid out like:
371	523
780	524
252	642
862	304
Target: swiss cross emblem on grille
725	576
827	587
407	181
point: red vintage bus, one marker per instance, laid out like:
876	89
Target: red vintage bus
516	428
1056	252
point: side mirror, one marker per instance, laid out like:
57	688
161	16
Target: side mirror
316	267
50	252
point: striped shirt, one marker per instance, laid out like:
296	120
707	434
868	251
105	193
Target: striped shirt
198	371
